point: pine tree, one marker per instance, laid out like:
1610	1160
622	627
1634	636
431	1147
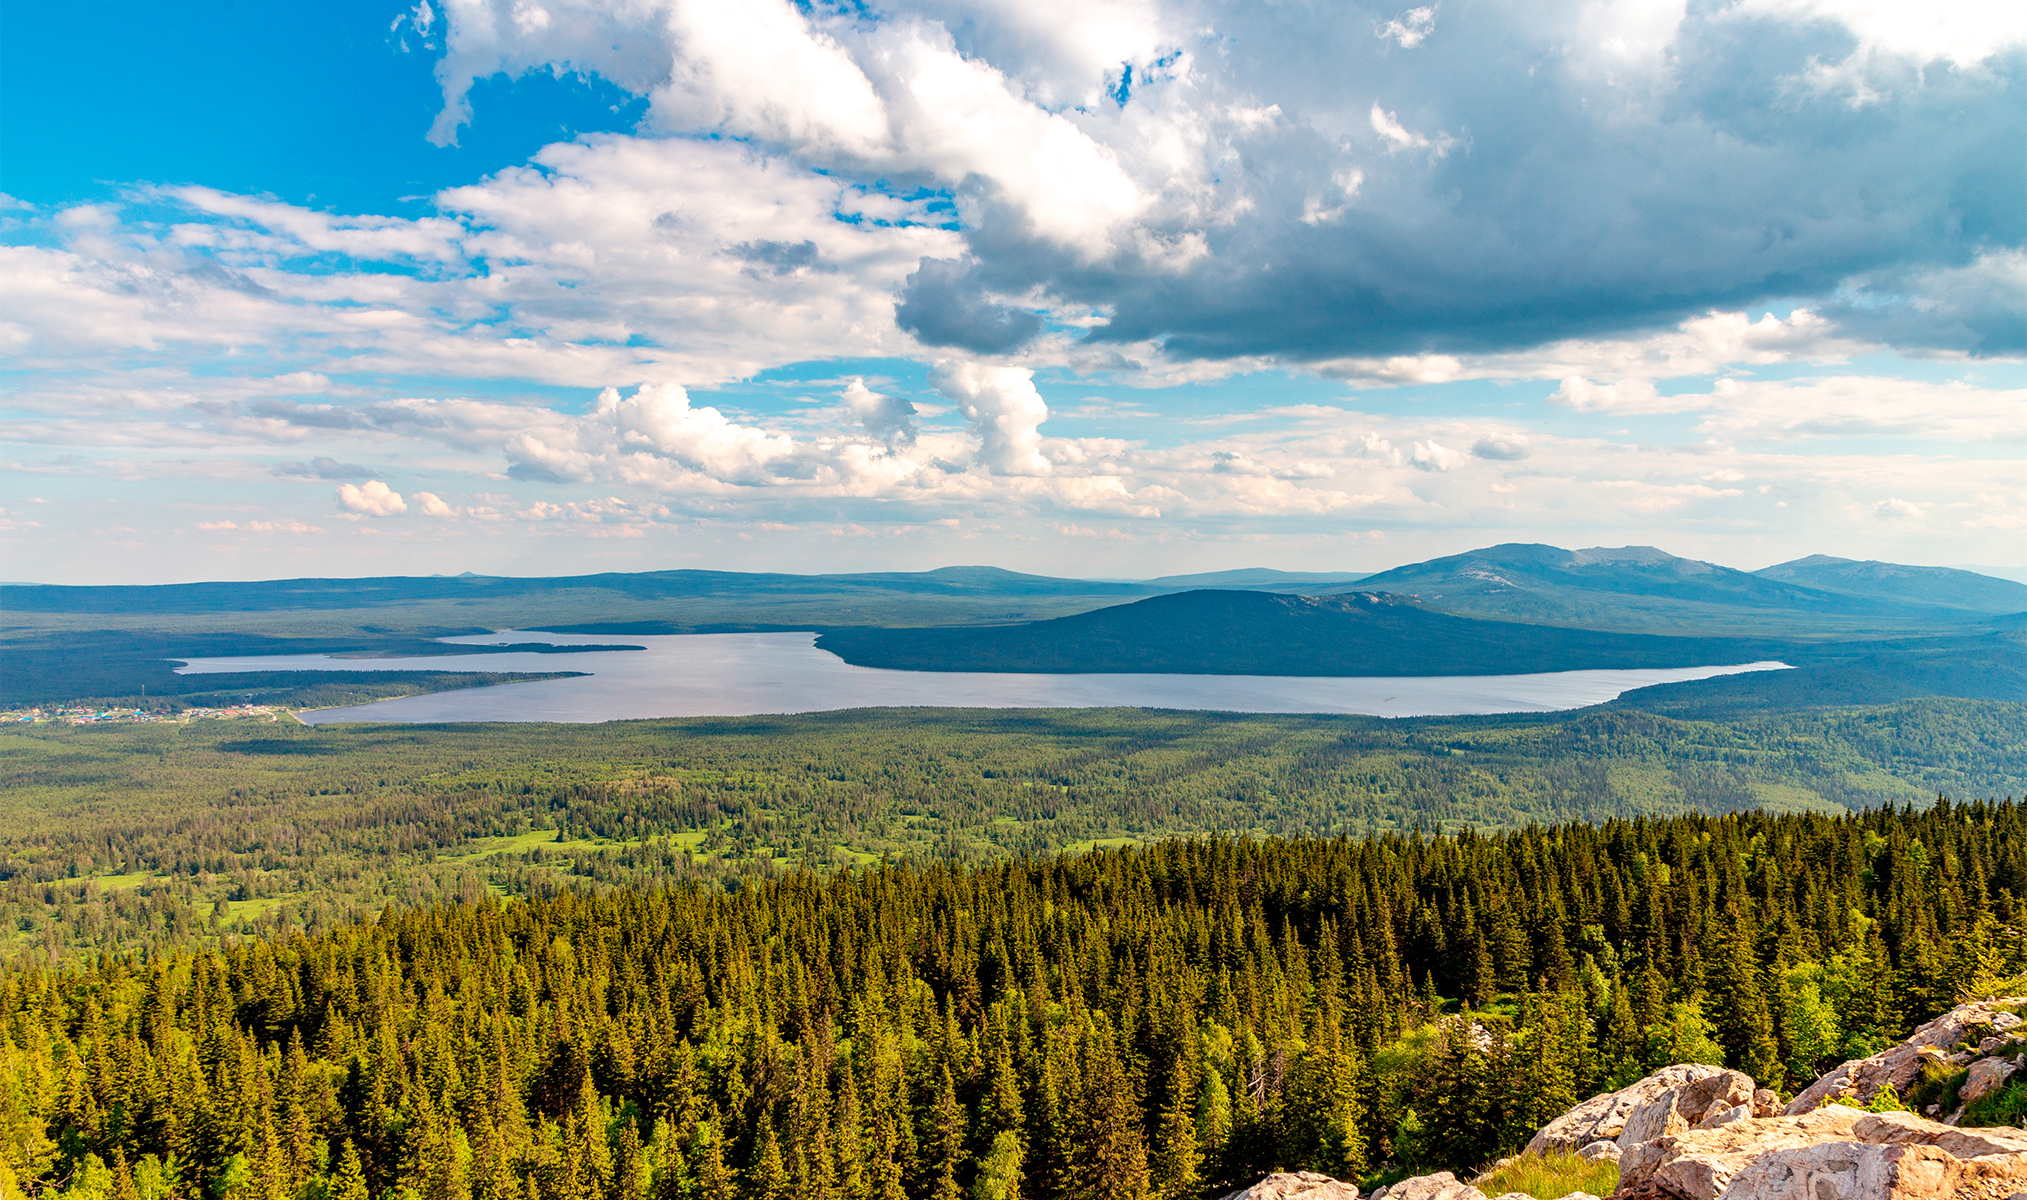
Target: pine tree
351	1181
769	1178
1176	1173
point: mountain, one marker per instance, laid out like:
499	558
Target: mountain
1632	588
1268	633
1942	586
1261	579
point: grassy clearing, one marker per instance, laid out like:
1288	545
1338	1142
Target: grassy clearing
1551	1176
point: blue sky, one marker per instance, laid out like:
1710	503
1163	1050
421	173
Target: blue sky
534	287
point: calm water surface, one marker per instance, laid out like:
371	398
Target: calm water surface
745	674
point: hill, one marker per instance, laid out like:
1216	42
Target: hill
1633	588
1267	633
1261	579
1942	586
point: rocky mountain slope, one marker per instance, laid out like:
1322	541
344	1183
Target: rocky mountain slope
1696	1132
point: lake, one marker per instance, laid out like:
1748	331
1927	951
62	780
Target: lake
747	674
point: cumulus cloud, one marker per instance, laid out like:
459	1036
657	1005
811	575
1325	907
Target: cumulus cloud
433	505
1434	456
1502	447
1119	156
372	498
889	419
1004	409
1624	396
944	304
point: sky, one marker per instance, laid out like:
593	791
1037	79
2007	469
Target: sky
1109	288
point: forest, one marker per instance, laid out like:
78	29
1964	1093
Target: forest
155	836
1157	1021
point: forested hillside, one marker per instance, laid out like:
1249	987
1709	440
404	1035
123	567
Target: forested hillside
157	835
1263	633
1162	1021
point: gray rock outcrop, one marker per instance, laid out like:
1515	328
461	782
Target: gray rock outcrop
1860	1079
1830	1153
1441	1186
1603	1118
1296	1185
1685	1105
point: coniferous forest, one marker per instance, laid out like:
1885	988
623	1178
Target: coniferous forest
1158	1021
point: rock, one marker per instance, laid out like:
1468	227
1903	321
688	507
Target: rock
1698	1163
1513	1196
1602	1118
1600	1151
1831	1153
1578	1196
1903	1128
1898	1065
1296	1185
1725	1116
1986	1075
1440	1186
1849	1171
1766	1102
1685	1105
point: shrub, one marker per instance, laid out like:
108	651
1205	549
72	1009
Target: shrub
1552	1176
2002	1106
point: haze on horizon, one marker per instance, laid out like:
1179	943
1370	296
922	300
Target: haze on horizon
1101	289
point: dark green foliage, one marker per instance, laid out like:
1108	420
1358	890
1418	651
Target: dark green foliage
1159	1022
155	835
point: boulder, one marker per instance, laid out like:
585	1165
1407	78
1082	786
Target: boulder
1898	1065
1985	1077
1831	1153
1600	1151
1296	1185
1440	1186
1697	1164
1602	1118
1766	1102
1685	1106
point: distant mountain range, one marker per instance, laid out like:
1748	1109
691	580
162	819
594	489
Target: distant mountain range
1640	588
1944	587
1858	632
1266	633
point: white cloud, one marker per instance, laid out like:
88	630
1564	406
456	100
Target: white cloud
1399	137
1964	33
1625	396
890	419
1864	406
1411	28
1896	509
1434	456
1004	409
372	498
433	505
